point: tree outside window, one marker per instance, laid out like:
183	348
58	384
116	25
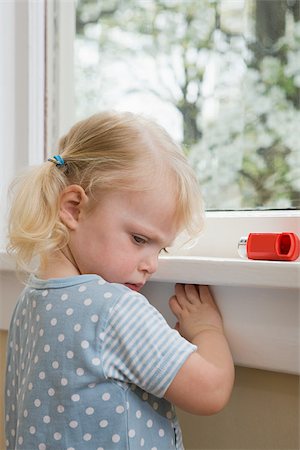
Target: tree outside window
222	76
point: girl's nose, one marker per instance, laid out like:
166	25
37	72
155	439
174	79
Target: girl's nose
149	264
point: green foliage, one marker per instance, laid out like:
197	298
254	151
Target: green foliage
239	105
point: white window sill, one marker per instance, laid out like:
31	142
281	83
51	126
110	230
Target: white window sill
228	272
259	302
215	271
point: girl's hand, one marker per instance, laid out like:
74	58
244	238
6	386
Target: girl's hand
204	382
195	310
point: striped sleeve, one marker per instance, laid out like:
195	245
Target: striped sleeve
141	348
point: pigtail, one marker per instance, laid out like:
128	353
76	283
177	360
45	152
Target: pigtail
107	151
34	227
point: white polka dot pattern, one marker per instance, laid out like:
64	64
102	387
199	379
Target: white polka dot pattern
60	377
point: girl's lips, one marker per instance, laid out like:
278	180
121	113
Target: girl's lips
134	287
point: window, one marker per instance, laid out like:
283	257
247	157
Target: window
223	77
25	83
21	93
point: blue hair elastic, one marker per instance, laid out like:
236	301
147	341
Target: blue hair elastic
57	160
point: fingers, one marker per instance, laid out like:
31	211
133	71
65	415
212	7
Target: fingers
187	293
205	294
195	310
188	296
193	293
175	306
206	297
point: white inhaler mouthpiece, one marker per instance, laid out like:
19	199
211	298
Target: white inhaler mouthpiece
242	247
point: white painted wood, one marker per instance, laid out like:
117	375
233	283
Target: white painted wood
60	93
21	93
259	302
228	272
262	325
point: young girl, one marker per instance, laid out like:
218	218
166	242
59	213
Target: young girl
91	364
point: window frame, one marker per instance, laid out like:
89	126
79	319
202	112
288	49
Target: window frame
60	94
21	91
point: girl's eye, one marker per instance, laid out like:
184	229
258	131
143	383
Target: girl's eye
139	240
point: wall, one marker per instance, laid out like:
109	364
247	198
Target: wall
3	336
263	414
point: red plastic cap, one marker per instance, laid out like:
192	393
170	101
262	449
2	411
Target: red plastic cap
273	246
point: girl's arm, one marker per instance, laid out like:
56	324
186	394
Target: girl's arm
203	384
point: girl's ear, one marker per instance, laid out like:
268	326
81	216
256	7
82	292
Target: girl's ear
73	200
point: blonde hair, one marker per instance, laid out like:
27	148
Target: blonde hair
107	151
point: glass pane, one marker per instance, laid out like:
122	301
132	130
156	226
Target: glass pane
222	76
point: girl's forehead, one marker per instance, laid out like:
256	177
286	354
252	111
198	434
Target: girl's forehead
157	198
156	206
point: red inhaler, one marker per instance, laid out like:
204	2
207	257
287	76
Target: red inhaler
270	246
